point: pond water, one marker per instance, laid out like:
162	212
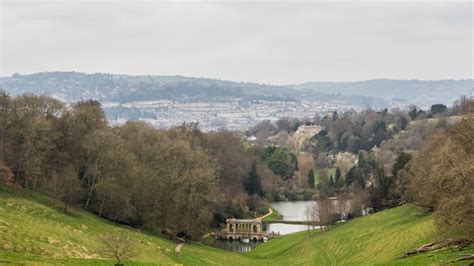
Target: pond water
290	210
235	246
284	229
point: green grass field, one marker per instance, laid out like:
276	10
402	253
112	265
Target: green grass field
29	227
31	233
329	171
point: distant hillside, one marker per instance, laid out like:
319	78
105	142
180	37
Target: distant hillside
73	86
32	233
167	101
397	92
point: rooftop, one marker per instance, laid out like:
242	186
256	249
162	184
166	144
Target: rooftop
243	220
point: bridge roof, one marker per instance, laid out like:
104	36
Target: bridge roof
247	221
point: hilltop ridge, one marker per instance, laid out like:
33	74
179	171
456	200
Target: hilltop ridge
167	101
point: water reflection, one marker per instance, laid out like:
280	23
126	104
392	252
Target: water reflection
235	246
285	229
292	210
295	210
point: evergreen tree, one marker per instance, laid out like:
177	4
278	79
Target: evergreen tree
338	176
413	113
359	178
362	159
341	182
350	176
252	184
437	109
322	141
402	159
311	178
332	184
280	163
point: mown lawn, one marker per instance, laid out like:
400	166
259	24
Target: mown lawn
330	172
30	233
380	238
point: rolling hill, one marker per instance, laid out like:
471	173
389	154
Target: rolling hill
32	233
377	93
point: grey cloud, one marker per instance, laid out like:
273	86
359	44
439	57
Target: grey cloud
263	42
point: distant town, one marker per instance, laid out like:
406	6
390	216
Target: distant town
167	101
214	116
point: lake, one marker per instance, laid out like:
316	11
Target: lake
291	211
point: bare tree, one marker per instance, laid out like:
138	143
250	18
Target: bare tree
441	178
308	217
312	215
117	246
6	175
324	212
67	185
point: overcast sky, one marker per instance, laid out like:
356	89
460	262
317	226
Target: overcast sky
266	42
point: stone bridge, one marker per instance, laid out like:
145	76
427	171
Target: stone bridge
239	229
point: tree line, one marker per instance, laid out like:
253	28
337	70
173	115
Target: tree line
429	163
180	181
420	156
440	178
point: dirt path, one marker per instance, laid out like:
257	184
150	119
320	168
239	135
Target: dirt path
178	247
270	211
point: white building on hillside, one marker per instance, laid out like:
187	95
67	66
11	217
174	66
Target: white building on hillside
308	131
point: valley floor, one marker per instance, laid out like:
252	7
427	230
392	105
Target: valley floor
32	233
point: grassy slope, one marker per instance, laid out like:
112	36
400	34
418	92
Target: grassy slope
379	238
28	227
32	232
274	216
